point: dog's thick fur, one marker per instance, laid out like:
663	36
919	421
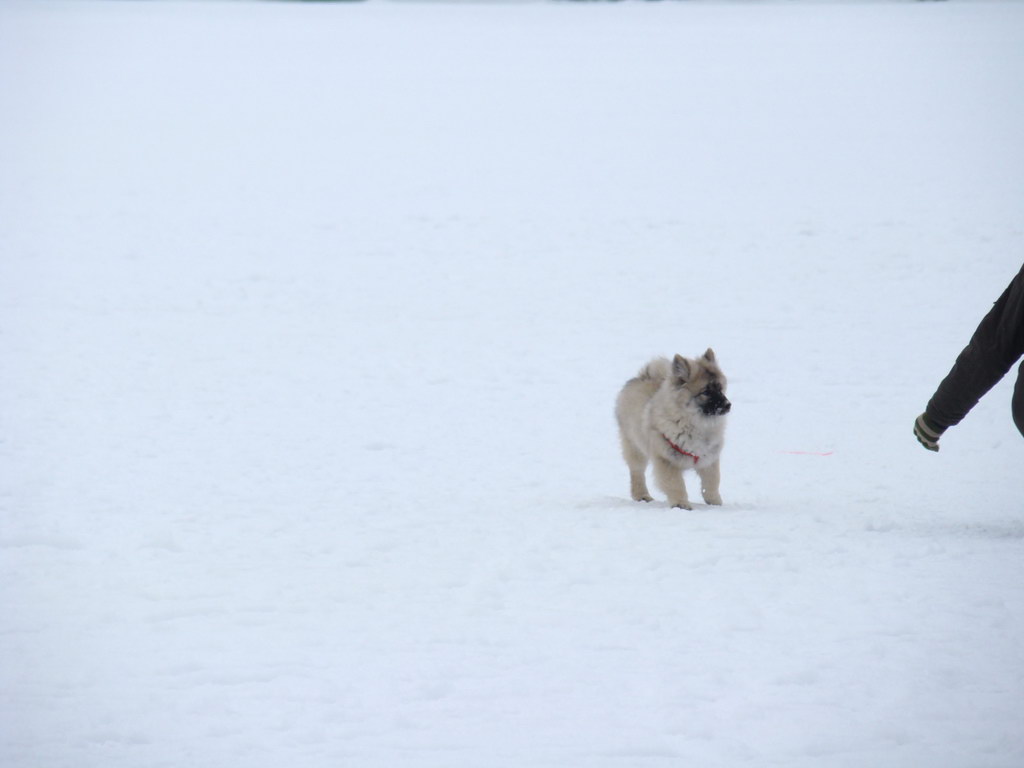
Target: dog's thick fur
673	415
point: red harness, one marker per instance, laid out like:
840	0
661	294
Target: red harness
679	450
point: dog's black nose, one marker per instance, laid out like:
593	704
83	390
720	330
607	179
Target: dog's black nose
726	407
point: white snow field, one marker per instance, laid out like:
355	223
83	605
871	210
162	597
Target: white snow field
313	317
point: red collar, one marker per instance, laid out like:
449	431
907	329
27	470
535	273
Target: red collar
679	450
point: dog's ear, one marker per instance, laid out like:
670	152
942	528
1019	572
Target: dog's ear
710	355
681	369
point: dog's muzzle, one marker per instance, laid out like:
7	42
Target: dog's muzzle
717	405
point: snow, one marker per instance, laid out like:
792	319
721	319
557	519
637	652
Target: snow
313	318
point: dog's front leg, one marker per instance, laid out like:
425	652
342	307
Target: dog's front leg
710	477
670	480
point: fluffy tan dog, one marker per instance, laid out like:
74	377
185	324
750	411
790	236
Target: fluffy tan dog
673	415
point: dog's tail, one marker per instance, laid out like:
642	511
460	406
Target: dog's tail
655	371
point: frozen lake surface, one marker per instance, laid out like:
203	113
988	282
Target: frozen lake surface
313	317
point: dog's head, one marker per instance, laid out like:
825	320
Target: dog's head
703	382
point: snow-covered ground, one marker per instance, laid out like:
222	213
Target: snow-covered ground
313	316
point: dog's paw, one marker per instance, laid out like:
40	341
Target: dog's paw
683	505
642	498
715	499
